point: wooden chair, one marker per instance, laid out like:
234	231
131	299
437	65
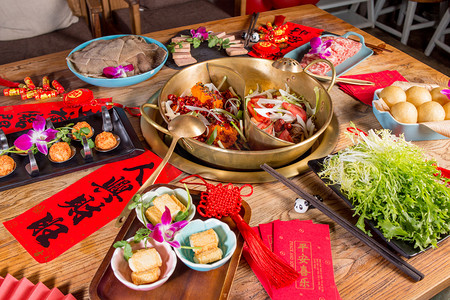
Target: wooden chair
347	10
407	14
85	29
438	38
90	11
144	16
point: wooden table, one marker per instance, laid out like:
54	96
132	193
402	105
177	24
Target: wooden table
360	272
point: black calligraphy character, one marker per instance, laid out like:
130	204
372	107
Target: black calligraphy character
47	228
7	116
80	208
26	118
141	168
5	124
58	115
114	188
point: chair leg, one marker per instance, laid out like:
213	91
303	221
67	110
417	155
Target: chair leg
439	32
371	13
401	13
354	7
135	19
410	11
378	7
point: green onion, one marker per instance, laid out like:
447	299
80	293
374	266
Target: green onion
212	137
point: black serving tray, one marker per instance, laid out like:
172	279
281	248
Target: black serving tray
405	249
129	146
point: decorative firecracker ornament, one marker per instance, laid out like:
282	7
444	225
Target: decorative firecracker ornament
274	34
265	49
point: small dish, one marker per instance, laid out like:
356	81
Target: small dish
110	149
117	82
123	272
227	242
343	67
411	132
8	159
73	151
181	195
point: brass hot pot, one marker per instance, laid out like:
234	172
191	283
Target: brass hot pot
247	73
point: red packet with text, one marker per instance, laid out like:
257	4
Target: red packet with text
266	231
306	247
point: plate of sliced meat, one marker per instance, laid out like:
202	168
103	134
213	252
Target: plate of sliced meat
343	52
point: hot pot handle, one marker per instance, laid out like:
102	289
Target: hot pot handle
333	71
150	120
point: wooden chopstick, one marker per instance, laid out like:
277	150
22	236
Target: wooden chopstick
382	250
251	27
373	46
343	80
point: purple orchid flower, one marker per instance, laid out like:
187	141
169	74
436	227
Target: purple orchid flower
320	48
200	33
120	71
164	231
446	92
39	137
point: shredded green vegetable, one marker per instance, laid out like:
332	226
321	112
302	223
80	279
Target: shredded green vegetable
390	181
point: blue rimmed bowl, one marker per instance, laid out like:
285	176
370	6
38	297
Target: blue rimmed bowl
227	242
411	132
117	82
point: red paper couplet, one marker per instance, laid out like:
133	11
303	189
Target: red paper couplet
20	117
53	226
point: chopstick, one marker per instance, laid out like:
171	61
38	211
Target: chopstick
373	46
343	80
382	250
251	27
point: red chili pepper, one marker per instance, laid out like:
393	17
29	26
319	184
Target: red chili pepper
295	110
355	131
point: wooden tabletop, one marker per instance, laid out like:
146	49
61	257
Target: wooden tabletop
360	272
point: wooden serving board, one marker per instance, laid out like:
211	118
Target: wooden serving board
184	283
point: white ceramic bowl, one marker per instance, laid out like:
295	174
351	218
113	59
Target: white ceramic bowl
181	195
227	242
123	272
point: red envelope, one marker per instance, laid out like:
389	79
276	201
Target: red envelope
266	231
306	247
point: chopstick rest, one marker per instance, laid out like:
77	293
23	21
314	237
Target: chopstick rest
406	268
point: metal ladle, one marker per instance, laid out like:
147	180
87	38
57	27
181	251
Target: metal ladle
183	126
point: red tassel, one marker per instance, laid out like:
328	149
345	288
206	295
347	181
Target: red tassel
276	270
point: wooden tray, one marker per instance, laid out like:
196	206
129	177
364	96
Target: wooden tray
184	283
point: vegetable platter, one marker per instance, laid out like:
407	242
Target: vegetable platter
391	187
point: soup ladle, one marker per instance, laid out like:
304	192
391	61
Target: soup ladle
183	126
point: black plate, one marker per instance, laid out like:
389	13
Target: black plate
129	146
405	249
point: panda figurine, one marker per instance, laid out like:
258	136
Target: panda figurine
301	205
